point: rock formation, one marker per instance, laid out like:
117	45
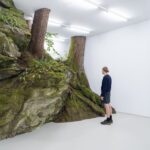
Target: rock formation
36	91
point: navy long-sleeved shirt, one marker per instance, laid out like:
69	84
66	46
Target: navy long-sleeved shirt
106	85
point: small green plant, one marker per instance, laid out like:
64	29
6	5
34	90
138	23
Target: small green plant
44	72
12	18
50	44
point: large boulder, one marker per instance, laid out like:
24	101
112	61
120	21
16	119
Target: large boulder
22	110
34	97
8	47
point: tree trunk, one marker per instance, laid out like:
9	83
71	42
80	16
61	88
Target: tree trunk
81	102
76	57
39	28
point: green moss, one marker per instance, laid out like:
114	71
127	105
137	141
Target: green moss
96	108
44	73
48	85
8	3
71	61
11	101
12	17
6	61
20	36
8	47
89	94
13	25
78	107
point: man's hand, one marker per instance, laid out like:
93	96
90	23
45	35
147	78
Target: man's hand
102	98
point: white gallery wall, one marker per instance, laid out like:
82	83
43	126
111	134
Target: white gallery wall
61	48
126	52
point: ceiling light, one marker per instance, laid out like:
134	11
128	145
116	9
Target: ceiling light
59	38
78	29
56	23
117	16
95	2
88	4
114	14
124	16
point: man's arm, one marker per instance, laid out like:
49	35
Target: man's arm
105	87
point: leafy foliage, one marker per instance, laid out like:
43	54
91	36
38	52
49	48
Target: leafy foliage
46	72
13	18
50	44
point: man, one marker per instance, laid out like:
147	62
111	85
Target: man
105	95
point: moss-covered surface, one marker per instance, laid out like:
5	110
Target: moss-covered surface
14	38
81	103
7	3
12	17
14	25
33	97
34	92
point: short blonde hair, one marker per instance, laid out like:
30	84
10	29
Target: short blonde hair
105	69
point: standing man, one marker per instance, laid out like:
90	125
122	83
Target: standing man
105	95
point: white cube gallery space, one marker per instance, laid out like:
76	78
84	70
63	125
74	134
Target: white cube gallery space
55	59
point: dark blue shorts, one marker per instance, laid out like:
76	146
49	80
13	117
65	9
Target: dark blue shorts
106	98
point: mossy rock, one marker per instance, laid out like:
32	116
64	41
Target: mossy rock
8	47
12	17
7	3
6	61
34	92
14	26
20	36
31	104
78	107
22	113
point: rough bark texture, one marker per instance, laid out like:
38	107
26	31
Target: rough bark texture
77	52
76	57
39	28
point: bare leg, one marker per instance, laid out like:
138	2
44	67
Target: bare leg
110	107
109	120
108	110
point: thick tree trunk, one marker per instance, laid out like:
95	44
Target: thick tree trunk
76	54
39	28
76	57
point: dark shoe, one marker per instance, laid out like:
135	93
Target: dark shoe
111	120
108	121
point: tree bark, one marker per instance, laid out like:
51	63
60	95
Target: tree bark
39	28
76	57
76	54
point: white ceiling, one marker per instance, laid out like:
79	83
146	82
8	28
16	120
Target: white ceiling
136	10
